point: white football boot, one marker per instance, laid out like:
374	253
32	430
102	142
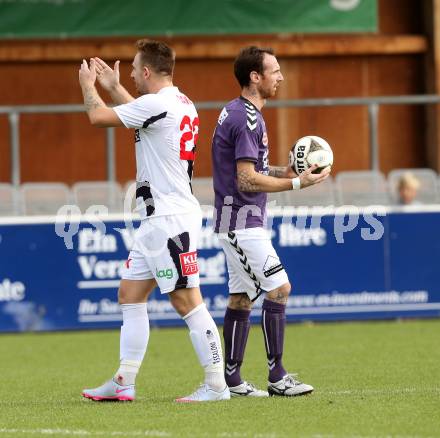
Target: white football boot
289	386
111	391
205	394
246	389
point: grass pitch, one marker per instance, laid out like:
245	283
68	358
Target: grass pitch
378	379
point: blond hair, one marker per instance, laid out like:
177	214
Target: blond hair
408	179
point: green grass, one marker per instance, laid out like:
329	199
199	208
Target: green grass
377	379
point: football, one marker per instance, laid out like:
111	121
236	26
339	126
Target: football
310	150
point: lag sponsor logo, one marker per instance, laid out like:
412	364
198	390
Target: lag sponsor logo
188	263
164	273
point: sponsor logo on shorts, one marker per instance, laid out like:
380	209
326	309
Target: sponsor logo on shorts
127	263
272	266
164	273
188	263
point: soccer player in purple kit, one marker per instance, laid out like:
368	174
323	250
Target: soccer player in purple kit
242	177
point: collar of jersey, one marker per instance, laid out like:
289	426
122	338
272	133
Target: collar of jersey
167	88
248	101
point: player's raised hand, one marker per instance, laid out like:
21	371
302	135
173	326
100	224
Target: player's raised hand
108	77
87	74
308	178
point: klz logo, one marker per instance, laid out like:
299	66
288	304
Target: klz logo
188	263
164	273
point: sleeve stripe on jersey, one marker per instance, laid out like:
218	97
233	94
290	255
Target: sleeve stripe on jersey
153	119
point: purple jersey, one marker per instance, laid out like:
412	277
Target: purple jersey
240	135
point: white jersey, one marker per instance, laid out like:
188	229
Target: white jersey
167	127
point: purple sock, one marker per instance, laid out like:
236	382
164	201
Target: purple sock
273	322
235	335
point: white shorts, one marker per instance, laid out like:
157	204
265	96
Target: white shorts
253	264
165	249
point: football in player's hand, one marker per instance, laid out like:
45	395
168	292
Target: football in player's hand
310	150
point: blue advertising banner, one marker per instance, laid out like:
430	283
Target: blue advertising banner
361	265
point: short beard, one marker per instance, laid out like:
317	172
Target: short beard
267	95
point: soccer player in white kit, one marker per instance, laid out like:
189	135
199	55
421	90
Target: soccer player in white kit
164	254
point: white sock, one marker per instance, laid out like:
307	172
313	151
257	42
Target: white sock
206	341
135	332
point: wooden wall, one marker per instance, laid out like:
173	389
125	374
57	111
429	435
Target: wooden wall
66	148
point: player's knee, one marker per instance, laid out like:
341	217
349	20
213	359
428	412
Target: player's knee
185	300
132	292
125	296
122	296
239	302
179	303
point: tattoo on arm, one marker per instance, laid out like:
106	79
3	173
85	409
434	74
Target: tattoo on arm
92	99
277	171
246	182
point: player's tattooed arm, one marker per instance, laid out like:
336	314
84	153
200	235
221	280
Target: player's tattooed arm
99	113
282	172
277	171
249	180
92	100
246	180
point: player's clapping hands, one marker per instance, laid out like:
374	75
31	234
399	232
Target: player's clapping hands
87	74
108	77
